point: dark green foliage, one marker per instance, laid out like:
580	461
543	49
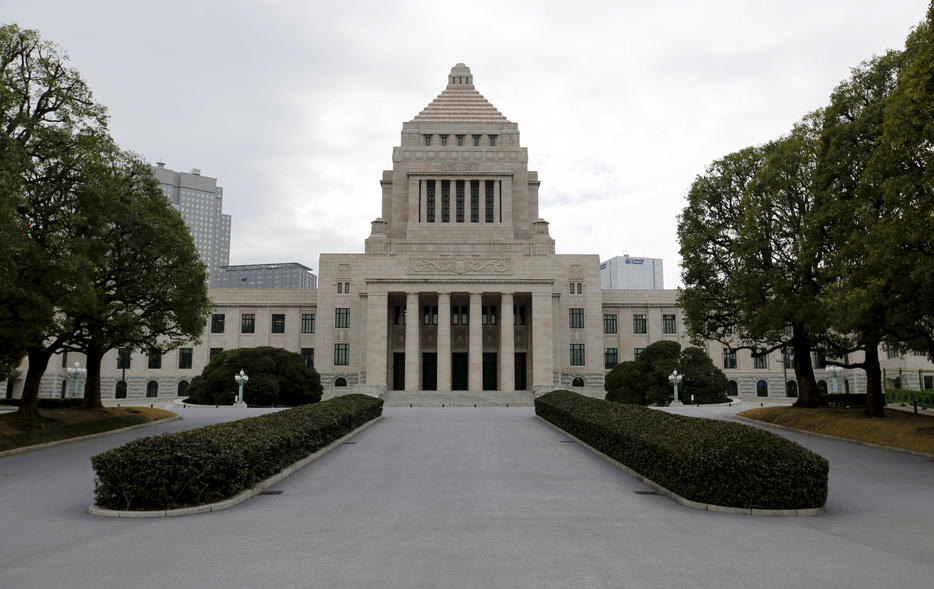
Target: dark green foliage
645	381
277	377
703	460
213	463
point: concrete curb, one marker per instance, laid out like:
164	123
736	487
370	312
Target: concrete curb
820	435
239	497
687	502
87	437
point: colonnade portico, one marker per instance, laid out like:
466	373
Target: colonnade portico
449	340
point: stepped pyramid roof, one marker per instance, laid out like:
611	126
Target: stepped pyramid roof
460	103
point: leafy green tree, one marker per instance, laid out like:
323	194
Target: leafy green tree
49	127
644	381
277	377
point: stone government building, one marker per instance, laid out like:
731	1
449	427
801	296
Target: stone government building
459	293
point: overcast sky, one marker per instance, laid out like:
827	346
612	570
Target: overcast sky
295	105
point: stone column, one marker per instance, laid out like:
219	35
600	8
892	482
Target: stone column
377	338
475	344
542	334
507	345
413	322
444	341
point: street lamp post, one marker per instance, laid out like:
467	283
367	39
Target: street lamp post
76	373
674	378
241	380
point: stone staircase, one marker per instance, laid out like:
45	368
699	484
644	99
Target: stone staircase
458	399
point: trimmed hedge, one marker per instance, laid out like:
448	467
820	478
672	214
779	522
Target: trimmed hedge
703	460
213	463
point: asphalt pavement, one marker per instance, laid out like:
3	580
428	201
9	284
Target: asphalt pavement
466	497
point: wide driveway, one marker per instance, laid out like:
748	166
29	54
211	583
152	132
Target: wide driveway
466	497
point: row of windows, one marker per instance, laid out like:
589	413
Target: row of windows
577	287
639	323
248	322
431	198
185	357
152	389
460	315
460	140
343	288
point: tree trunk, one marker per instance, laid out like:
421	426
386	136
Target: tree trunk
92	387
875	396
804	373
38	362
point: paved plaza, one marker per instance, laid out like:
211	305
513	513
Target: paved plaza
465	497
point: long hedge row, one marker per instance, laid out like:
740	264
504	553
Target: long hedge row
213	463
703	460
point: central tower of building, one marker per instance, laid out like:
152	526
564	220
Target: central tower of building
459	287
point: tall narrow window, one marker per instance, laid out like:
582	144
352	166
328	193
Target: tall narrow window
152	389
444	141
278	323
729	358
213	352
308	322
760	361
636	352
476	141
474	201
577	354
308	357
669	324
184	358
217	323
123	358
445	201
609	324
430	200
342	318
247	323
155	361
610	357
459	201
576	318
460	141
340	287
638	323
489	201
492	140
341	354
427	140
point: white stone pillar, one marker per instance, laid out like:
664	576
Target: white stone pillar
377	338
543	337
413	322
444	341
475	344
507	345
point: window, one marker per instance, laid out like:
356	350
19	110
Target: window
120	391
182	388
487	316
213	352
341	354
155	361
308	322
346	288
308	357
460	141
610	357
444	141
430	315
65	359
891	352
400	315
152	389
762	389
340	381
445	201
476	141
788	358
577	287
430	201
278	323
669	324
761	361
577	354
340	287
184	358
427	140
819	360
489	201
459	201
576	318
492	140
474	201
518	315
729	358
609	324
123	359
342	318
247	323
636	352
638	323
217	323
572	288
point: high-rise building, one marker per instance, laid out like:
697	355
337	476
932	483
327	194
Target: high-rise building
287	275
624	272
200	201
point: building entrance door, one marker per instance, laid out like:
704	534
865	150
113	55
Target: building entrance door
459	369
398	371
489	371
429	372
520	372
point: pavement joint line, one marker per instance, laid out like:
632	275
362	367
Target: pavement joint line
828	436
87	437
687	502
239	497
